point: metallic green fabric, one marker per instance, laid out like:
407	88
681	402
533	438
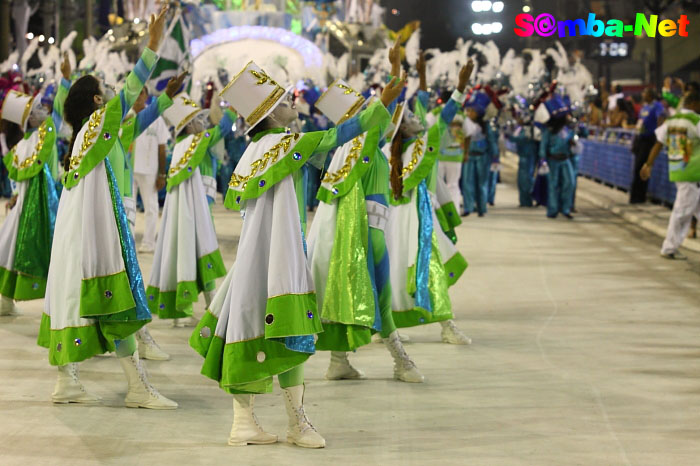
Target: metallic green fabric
33	250
437	282
349	298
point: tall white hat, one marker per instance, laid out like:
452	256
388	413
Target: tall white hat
182	111
340	102
253	94
17	107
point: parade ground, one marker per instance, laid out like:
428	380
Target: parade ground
585	351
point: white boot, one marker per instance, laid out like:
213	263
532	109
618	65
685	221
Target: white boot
340	368
8	308
299	430
68	388
377	338
141	393
148	348
404	368
246	429
452	335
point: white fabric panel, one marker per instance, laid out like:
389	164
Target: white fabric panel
402	245
10	227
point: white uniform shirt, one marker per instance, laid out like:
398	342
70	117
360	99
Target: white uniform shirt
145	151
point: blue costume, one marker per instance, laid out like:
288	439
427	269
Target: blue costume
527	148
556	147
477	170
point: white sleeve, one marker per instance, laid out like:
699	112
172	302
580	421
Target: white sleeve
661	132
469	127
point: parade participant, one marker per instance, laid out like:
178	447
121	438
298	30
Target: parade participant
262	320
424	262
482	142
452	153
148	160
494	175
650	117
347	248
95	299
131	134
680	134
527	150
187	260
555	148
26	234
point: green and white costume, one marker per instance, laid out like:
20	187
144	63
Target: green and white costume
263	318
27	233
95	291
187	260
424	261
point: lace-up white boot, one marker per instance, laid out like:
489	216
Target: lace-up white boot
69	389
141	393
405	369
246	430
148	348
340	368
299	430
8	308
453	335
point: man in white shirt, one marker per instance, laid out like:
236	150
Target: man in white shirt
149	176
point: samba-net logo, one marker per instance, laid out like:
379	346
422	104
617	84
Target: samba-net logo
545	25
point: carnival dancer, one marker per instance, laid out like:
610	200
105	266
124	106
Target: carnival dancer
26	234
482	142
95	299
137	121
555	148
187	260
263	318
424	262
680	134
347	248
528	153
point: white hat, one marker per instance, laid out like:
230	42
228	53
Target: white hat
17	107
182	111
253	94
340	102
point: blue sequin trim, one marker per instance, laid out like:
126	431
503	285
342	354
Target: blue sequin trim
425	236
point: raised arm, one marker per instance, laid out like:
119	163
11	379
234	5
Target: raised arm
144	67
61	93
148	115
374	115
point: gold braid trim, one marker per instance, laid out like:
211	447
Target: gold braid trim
260	165
417	153
182	163
27	109
350	160
89	137
39	145
352	110
265	106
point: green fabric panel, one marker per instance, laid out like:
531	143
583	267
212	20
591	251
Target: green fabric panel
72	344
104	144
358	170
210	267
340	337
106	295
349	298
452	217
43	154
454	268
8	283
415	317
238	366
292	315
197	156
34	236
256	186
29	288
200	340
166	304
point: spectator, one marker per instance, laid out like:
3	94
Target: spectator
614	98
623	115
595	112
650	117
